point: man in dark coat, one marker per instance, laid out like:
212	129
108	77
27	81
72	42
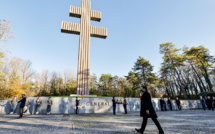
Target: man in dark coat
77	104
22	105
169	102
202	102
161	104
178	103
114	106
147	111
125	105
209	103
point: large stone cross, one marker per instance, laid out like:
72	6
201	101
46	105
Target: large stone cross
85	30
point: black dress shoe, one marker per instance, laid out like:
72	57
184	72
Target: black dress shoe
139	131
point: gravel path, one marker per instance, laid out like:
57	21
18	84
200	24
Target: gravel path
173	122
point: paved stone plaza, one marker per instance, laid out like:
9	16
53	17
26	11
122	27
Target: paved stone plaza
175	122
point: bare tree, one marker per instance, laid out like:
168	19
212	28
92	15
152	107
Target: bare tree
26	71
5	30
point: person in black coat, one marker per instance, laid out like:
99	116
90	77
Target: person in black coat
161	104
178	103
209	103
114	106
169	102
147	111
77	104
22	105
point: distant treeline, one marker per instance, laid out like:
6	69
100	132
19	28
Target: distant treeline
185	72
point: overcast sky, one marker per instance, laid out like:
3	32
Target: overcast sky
135	28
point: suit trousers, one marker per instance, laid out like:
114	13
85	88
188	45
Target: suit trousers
76	111
145	119
21	112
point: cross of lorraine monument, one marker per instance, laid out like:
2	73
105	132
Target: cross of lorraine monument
85	30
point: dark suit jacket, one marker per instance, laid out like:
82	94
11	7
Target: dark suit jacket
114	102
161	102
178	102
169	102
23	100
146	104
209	102
77	102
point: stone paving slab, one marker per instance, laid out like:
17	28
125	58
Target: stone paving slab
173	122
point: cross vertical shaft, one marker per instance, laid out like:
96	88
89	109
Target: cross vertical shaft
84	50
86	31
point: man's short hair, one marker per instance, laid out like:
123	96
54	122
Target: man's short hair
145	87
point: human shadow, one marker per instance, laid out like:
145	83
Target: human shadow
31	106
72	107
82	110
62	106
7	107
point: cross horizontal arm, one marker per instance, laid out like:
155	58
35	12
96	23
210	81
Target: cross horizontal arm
69	27
75	12
98	32
95	15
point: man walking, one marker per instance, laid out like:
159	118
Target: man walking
178	103
49	105
114	106
13	104
77	104
202	102
22	105
169	102
147	111
125	105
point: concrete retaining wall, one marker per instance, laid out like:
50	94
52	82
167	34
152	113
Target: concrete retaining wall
90	105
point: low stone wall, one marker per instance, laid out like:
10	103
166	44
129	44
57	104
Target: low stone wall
90	105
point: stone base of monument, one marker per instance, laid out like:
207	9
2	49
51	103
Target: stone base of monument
62	105
84	95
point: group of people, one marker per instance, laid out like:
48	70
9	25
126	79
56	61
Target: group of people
169	103
207	102
146	110
124	102
24	106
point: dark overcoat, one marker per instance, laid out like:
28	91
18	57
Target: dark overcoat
209	102
146	104
23	100
161	102
169	102
114	102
